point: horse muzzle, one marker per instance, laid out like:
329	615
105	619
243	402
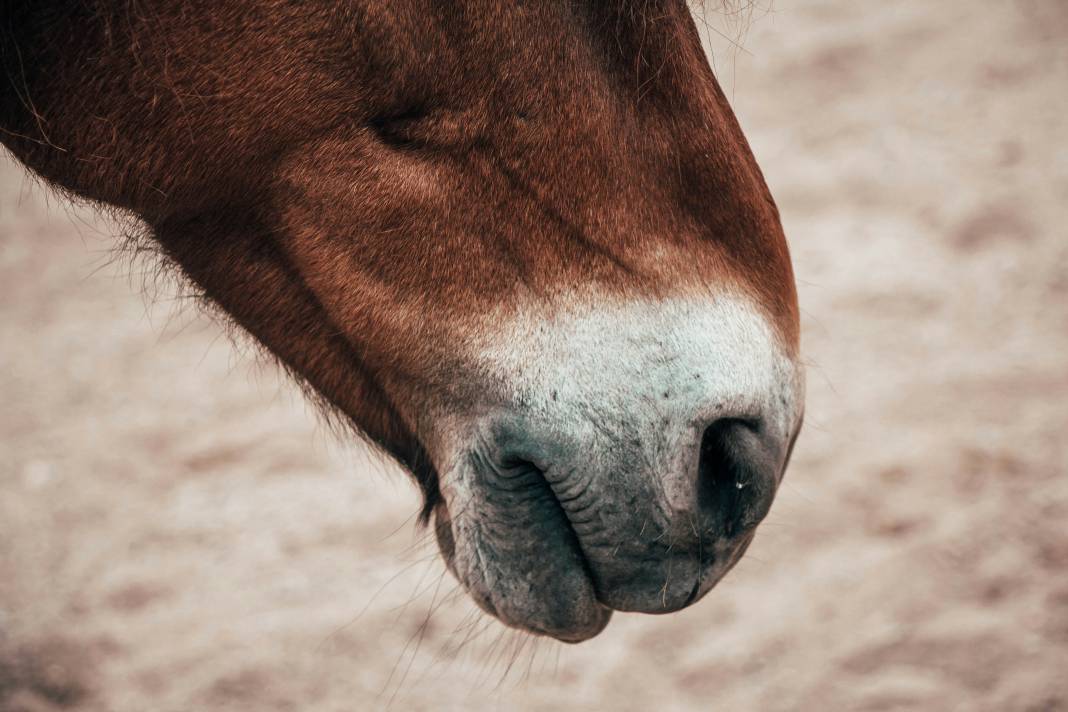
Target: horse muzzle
626	466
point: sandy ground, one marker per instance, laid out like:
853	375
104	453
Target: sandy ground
178	533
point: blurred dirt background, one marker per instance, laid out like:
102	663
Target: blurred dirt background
179	533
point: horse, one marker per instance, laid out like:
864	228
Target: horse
521	247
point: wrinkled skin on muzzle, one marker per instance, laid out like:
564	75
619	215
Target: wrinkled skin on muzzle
522	247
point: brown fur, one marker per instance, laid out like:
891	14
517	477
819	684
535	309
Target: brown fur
354	182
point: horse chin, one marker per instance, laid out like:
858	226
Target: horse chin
540	585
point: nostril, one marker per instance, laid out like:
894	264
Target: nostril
736	476
717	483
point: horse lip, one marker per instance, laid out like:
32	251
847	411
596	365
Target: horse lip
531	497
561	599
581	636
513	464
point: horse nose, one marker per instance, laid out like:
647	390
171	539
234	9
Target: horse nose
666	556
658	536
626	466
738	469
